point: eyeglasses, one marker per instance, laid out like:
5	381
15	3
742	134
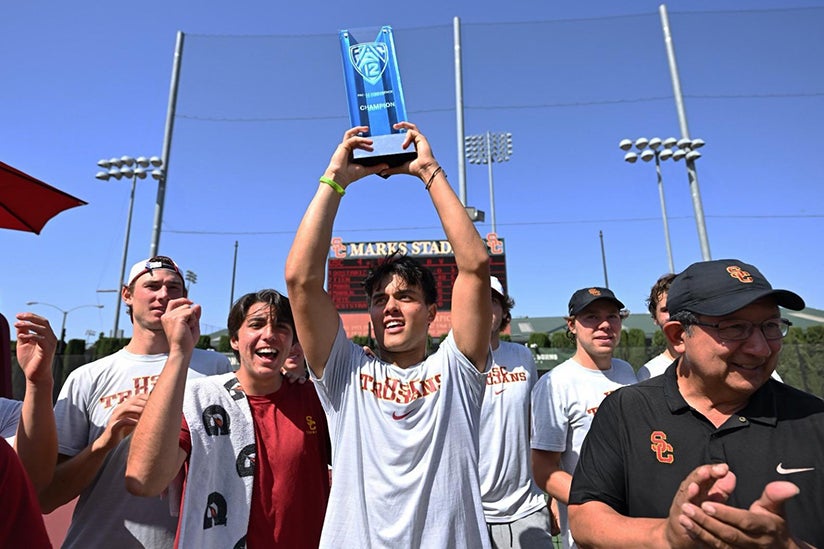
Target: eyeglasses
739	330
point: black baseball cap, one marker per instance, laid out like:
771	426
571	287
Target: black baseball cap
581	299
723	286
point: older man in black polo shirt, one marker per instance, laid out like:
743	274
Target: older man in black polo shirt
713	452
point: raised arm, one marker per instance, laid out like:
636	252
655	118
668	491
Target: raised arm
471	306
155	456
36	441
316	318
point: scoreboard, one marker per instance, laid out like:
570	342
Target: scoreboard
345	278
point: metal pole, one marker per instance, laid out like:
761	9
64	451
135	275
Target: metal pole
167	145
459	115
234	271
604	259
664	212
63	334
57	362
120	281
685	133
491	186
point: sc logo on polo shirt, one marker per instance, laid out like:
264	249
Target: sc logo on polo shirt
663	449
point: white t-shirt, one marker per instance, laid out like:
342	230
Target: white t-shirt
9	418
404	450
654	367
564	401
107	515
507	488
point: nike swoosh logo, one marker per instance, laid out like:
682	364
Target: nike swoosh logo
781	470
499	392
397	416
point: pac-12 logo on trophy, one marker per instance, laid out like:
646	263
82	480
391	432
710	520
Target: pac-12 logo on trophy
369	60
374	94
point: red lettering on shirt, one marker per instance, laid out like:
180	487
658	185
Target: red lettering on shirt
499	375
397	390
142	385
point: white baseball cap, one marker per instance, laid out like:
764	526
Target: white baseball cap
148	265
497	286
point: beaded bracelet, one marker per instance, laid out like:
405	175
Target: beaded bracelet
334	184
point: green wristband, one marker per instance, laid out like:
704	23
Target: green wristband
332	183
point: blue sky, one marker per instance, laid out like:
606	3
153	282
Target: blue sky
89	80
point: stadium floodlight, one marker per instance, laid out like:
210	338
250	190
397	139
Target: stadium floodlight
119	168
485	149
658	149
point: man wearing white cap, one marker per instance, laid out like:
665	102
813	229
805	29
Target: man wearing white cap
514	506
98	408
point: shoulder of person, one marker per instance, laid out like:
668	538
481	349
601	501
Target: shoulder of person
791	401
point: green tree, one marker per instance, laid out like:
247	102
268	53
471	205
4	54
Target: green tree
658	344
74	357
561	340
106	346
633	347
361	340
539	339
224	345
204	342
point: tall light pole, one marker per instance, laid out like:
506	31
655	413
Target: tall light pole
234	272
191	278
486	149
692	175
134	168
657	149
604	259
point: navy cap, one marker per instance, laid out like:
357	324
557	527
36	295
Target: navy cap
583	297
723	286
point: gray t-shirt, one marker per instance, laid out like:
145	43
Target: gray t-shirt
509	493
405	450
9	418
107	515
564	401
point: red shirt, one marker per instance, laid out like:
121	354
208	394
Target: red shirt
291	481
21	524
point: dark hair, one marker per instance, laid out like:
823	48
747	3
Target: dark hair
507	303
278	302
408	269
661	286
686	318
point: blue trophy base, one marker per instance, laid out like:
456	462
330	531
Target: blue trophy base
388	149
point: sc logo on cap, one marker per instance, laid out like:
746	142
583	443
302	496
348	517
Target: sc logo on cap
739	273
